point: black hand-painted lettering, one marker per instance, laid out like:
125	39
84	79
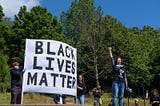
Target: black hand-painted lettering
32	79
43	80
38	47
73	68
63	79
54	78
73	82
35	64
60	51
60	64
48	49
72	53
69	83
66	51
68	66
50	59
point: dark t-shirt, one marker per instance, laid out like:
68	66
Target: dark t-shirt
97	93
79	91
118	71
15	78
155	99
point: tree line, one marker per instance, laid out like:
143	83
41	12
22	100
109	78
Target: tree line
86	28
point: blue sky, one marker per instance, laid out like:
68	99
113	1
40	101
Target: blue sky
130	12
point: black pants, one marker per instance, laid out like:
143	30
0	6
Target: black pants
16	94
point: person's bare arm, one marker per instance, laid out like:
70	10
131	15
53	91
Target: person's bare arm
79	87
110	52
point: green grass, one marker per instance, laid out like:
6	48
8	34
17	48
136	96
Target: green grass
4	98
35	98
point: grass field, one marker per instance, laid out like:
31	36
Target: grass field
35	98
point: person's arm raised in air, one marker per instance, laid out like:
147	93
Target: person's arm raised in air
111	57
110	52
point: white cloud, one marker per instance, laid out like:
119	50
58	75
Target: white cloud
11	7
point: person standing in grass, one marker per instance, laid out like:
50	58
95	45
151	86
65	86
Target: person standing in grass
119	80
16	83
97	93
147	94
81	87
154	99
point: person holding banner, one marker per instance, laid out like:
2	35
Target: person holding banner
119	80
16	83
81	87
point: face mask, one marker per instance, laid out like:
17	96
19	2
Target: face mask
16	67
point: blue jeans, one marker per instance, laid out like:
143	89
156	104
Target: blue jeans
117	91
80	99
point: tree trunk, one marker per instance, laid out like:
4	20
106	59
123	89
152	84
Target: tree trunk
96	70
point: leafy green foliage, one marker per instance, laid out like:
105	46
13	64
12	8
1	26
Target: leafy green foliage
1	13
84	27
35	24
91	32
87	29
4	72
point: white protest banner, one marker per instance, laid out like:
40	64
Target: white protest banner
50	67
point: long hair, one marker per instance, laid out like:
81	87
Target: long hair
155	93
82	78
